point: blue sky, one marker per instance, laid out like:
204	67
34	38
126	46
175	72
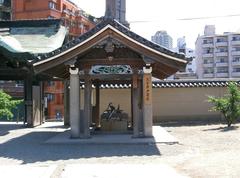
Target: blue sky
148	16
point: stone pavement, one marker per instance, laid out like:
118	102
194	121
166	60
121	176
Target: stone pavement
27	171
31	153
119	171
160	135
89	171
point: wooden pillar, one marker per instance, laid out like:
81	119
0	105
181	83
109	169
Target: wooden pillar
66	104
130	126
97	107
42	103
36	104
74	102
136	105
28	102
147	101
85	132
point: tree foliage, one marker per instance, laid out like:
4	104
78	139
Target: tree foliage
7	104
229	104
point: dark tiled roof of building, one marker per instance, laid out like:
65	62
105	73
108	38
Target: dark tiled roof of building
31	23
99	27
31	36
175	84
13	56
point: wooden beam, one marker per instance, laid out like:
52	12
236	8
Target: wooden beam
13	74
109	76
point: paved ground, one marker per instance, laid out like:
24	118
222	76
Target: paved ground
160	135
203	151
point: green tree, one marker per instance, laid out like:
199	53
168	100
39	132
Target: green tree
7	104
229	104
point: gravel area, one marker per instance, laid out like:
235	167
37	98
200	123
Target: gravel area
203	150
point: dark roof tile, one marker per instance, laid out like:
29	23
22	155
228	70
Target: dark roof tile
175	84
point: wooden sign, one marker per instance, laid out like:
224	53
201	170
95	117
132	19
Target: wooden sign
147	89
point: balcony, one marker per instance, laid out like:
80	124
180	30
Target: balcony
207	55
235	74
236	53
208	75
221	53
207	64
235	63
207	45
222	64
236	42
222	43
222	75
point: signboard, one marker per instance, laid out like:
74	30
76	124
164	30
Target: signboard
114	69
147	89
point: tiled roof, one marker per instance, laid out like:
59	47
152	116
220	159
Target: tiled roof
31	23
175	84
99	27
32	36
191	83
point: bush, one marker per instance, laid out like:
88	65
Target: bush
7	104
229	104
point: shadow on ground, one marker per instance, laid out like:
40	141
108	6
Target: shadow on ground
6	127
30	148
223	129
190	123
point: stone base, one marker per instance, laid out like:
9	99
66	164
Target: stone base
114	125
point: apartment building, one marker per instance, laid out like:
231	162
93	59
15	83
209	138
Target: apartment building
218	56
163	39
77	21
5	9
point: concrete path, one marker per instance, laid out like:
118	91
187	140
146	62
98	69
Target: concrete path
160	135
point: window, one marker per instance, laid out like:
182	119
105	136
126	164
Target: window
80	25
50	83
52	5
222	70
50	97
221	60
207	41
236	69
236	38
1	1
207	50
222	50
86	27
236	59
208	71
219	40
50	17
207	61
236	49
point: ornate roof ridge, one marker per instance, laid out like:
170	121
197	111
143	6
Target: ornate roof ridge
123	29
